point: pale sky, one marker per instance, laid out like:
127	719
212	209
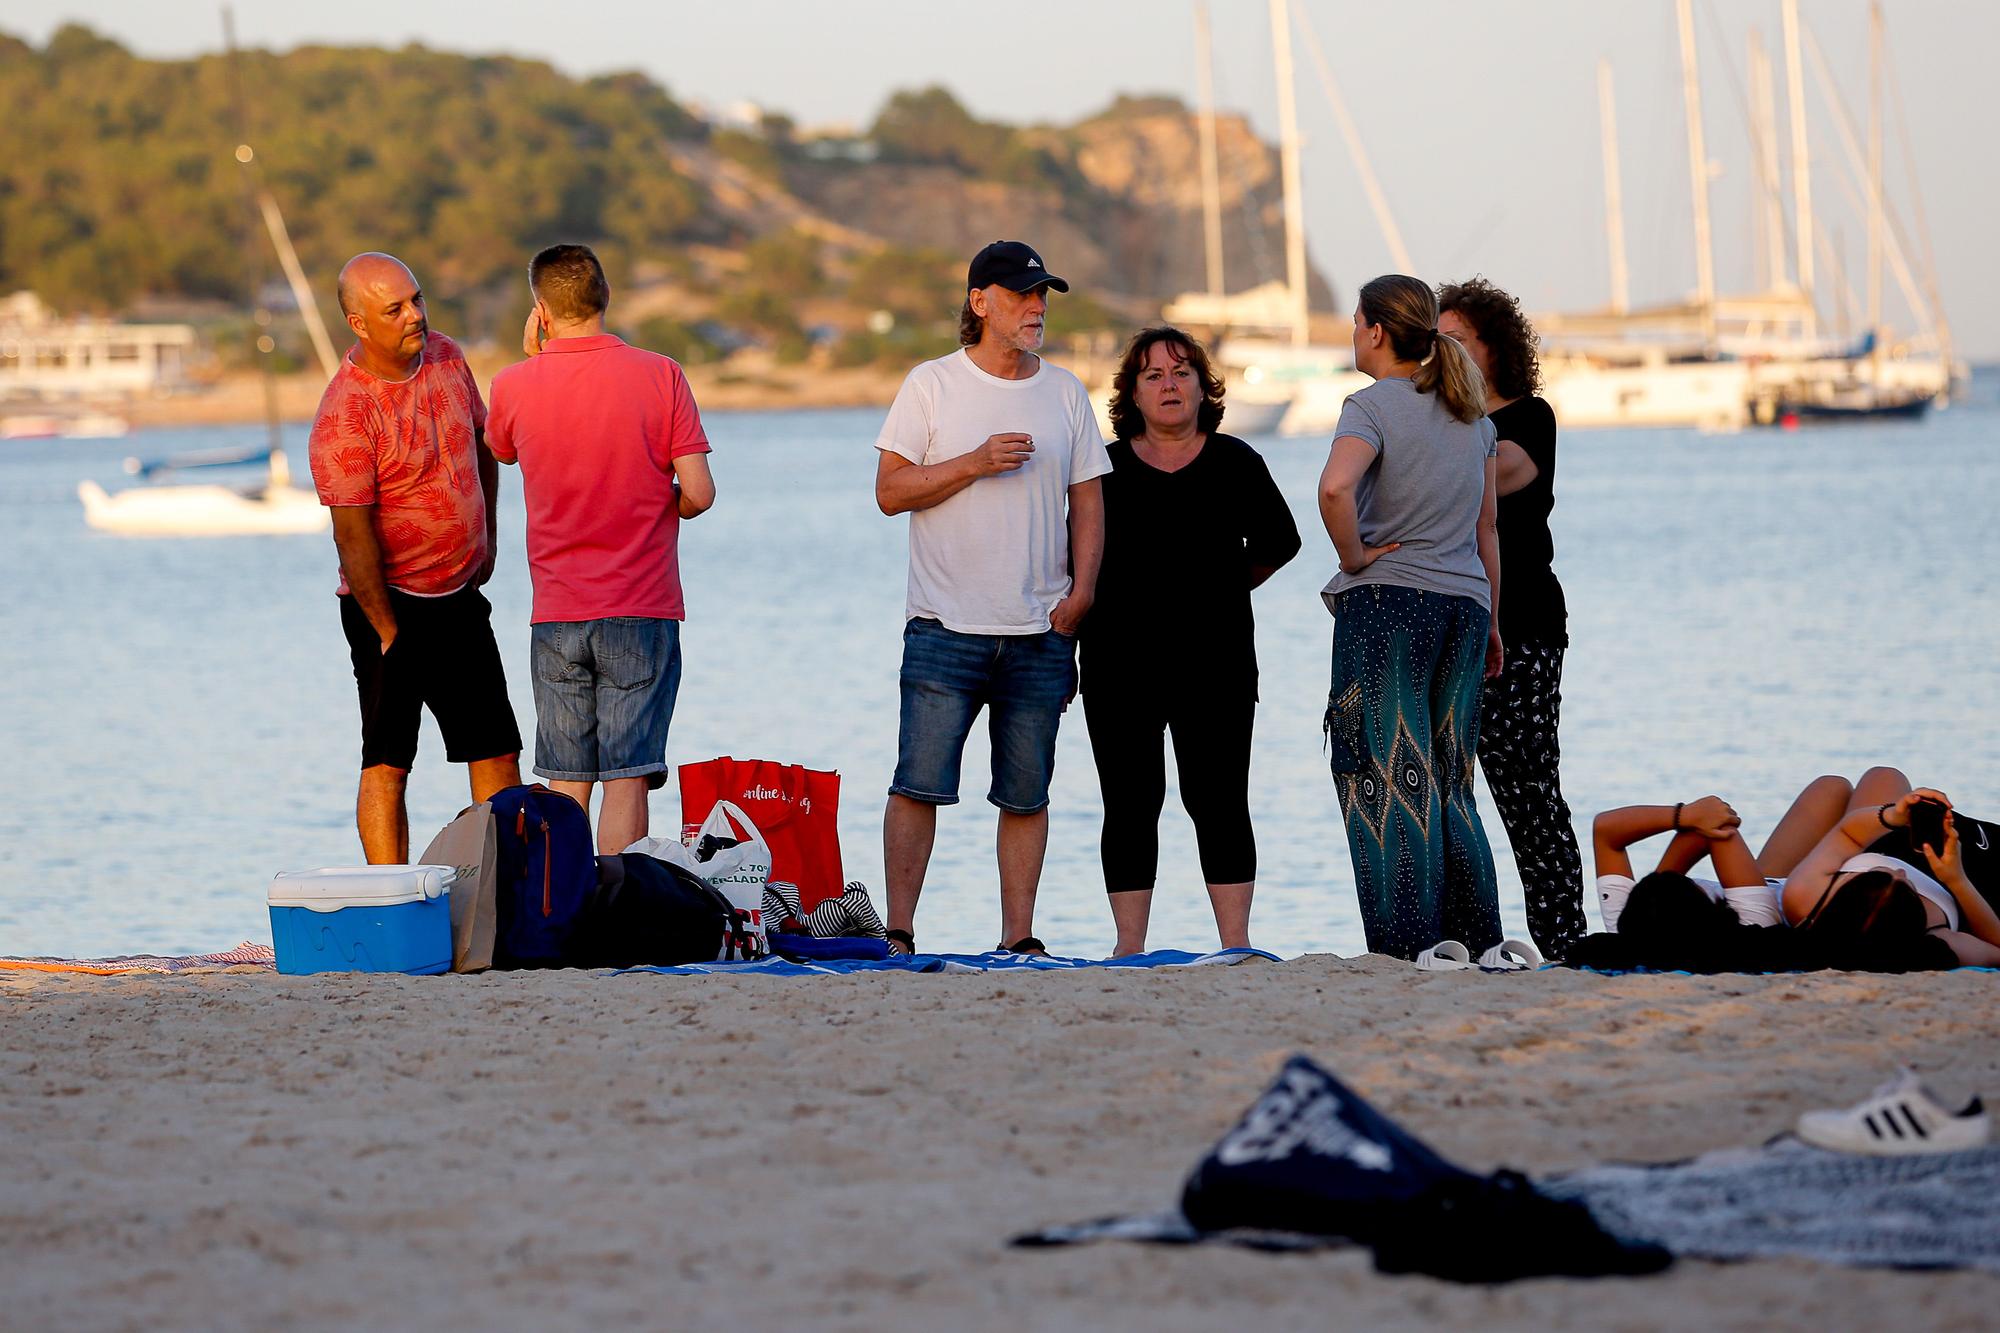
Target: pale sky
1481	117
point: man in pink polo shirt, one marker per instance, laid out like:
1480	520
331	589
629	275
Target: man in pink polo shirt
612	458
398	456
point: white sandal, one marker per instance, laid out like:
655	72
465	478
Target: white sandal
1511	956
1445	956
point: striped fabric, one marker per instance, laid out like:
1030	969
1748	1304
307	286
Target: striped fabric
851	914
245	954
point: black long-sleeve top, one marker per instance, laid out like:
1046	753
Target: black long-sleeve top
1531	598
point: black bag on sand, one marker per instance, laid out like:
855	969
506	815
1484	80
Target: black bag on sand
1310	1156
648	912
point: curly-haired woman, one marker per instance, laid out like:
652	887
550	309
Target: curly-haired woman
1519	708
1192	522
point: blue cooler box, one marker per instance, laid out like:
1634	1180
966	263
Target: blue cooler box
363	919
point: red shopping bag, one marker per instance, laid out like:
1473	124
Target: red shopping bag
796	809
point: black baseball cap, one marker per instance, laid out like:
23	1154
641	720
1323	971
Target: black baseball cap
1013	265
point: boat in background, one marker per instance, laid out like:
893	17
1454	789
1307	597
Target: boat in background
89	425
1723	362
272	507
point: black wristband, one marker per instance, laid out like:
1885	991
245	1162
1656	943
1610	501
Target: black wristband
1678	806
1882	815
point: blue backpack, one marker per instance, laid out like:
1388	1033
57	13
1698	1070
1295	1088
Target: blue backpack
547	873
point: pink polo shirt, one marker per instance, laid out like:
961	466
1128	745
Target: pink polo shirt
595	425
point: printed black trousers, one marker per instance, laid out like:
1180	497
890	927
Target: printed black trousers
1518	714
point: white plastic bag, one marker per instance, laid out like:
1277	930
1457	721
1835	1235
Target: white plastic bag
737	865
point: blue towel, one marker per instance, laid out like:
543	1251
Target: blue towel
994	961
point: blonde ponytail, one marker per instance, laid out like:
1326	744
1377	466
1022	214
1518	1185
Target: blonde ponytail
1451	374
1407	310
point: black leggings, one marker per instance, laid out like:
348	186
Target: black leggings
1211	732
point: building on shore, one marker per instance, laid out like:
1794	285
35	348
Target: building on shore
45	358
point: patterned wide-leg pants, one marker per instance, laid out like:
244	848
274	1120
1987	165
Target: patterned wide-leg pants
1402	725
1518	715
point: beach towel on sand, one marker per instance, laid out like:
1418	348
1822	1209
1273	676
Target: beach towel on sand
995	961
259	955
1312	1163
1785	1198
1788	1198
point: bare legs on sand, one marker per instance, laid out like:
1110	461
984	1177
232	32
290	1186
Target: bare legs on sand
909	829
1131	909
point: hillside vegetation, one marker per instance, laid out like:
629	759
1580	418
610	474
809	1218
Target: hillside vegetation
119	183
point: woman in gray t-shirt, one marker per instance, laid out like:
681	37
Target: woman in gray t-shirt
1409	498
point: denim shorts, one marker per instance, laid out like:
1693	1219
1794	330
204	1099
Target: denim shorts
604	696
1023	680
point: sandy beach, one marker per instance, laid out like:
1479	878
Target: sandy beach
243	1150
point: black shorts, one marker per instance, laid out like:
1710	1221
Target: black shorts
444	658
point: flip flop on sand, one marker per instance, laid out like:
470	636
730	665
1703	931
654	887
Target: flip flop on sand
1511	956
1445	956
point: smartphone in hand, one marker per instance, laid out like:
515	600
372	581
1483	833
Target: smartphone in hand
1927	825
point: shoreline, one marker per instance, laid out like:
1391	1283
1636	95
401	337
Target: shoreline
238	399
559	1148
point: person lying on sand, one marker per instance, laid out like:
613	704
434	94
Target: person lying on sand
1708	827
1849	883
1844	882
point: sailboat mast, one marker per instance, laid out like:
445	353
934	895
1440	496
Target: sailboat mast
1704	248
1288	150
1770	198
1399	253
261	341
1614	192
1795	90
1211	175
1875	220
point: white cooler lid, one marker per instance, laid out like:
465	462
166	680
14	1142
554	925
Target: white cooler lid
331	889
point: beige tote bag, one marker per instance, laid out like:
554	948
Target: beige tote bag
468	843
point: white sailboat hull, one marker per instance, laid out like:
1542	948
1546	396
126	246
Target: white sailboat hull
201	511
1707	395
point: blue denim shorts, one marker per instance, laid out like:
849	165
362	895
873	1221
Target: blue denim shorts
1024	681
604	696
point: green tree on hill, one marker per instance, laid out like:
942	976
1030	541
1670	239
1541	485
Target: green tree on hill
118	179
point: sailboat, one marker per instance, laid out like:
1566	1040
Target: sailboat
1276	375
1725	362
275	506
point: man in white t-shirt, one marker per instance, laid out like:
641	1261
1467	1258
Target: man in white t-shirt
995	455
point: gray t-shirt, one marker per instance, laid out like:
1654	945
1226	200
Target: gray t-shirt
1422	490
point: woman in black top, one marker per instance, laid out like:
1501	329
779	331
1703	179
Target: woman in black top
1520	707
1192	522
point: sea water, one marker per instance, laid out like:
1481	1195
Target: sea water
1746	611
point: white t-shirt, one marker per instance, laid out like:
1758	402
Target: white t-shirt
1754	904
994	558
